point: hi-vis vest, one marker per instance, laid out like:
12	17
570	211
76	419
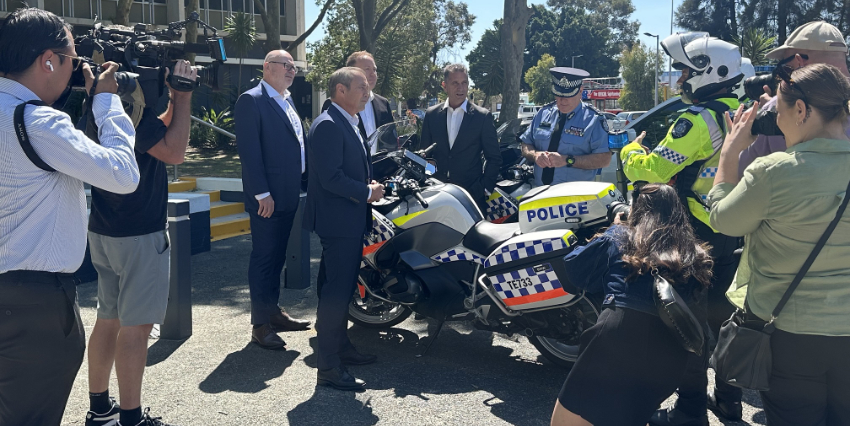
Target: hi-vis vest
690	153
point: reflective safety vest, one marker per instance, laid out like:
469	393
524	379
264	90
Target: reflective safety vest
688	156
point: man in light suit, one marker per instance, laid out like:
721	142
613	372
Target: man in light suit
377	111
463	133
270	140
338	211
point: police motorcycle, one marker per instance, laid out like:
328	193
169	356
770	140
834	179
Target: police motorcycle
438	257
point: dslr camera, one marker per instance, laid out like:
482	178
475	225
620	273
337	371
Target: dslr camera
143	56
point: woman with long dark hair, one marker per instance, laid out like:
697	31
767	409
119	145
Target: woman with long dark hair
630	362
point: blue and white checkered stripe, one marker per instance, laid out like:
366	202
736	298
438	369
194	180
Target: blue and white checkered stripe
670	155
538	282
708	172
456	254
500	207
525	249
381	231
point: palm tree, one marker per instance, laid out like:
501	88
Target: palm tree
754	44
242	33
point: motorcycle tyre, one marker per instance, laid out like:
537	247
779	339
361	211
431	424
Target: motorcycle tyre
542	344
356	315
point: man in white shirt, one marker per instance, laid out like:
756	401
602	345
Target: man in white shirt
464	133
377	111
44	161
270	139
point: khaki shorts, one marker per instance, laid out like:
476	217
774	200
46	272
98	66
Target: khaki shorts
132	277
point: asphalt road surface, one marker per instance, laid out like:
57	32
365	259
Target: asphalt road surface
217	377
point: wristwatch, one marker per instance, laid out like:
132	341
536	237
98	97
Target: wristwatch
570	160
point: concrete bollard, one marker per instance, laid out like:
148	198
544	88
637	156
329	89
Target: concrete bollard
298	252
178	315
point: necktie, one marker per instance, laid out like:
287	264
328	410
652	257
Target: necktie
549	172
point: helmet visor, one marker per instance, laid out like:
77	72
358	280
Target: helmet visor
675	46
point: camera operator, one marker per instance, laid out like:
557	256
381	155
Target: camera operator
44	161
130	251
815	42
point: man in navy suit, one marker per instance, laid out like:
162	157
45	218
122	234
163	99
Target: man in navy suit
270	140
338	211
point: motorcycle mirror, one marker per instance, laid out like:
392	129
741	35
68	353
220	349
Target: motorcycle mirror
430	169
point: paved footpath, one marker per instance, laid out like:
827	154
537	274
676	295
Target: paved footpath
216	377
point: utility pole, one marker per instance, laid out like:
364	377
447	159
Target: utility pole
657	43
574	60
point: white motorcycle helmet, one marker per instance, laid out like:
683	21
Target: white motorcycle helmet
748	70
714	64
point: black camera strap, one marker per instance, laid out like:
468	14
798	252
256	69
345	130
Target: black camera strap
23	137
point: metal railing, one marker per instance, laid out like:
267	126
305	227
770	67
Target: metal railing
211	126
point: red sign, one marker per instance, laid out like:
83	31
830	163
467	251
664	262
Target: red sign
604	94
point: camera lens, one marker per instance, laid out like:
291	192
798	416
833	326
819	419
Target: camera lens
754	86
616	208
765	124
211	75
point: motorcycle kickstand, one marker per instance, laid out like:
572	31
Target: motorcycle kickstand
432	339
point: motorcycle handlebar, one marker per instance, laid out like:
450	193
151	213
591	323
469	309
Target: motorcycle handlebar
425	152
421	200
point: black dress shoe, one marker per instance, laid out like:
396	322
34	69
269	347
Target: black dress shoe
352	357
673	417
284	322
339	378
726	410
266	338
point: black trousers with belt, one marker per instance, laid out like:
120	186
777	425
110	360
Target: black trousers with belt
692	391
42	342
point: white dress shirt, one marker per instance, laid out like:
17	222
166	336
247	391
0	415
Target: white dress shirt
43	214
454	118
293	119
353	120
368	118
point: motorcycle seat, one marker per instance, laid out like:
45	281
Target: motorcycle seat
484	237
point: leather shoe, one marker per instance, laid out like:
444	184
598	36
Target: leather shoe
727	410
339	378
265	336
284	322
673	417
352	357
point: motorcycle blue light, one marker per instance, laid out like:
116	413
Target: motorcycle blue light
618	140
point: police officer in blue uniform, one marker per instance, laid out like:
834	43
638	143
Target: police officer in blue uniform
567	140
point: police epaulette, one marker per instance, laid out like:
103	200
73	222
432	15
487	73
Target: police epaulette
593	108
696	109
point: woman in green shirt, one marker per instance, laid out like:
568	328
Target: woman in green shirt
782	206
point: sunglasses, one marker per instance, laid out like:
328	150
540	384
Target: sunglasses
77	61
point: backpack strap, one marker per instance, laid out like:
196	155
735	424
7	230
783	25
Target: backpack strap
23	137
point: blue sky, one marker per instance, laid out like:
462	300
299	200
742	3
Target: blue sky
653	18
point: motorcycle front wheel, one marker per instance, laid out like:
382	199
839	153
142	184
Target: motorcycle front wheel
371	312
576	318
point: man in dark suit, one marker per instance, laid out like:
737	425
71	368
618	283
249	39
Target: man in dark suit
338	211
270	140
377	111
463	133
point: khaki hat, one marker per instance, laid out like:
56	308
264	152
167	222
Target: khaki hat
817	35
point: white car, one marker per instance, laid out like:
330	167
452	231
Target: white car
614	122
629	116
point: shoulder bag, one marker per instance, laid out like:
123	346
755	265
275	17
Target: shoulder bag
742	357
677	316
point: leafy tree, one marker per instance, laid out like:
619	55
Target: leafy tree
452	28
271	23
616	12
515	19
717	17
755	43
638	65
540	80
485	62
243	34
300	39
373	17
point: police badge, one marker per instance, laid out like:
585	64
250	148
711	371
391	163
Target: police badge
681	128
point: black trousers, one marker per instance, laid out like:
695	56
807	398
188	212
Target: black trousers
42	342
269	237
692	391
810	381
336	283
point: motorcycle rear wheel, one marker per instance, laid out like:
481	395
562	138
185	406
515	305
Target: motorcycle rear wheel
564	353
371	312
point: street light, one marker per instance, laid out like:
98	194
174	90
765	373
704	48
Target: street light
657	43
574	60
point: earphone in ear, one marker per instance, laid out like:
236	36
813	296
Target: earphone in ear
49	65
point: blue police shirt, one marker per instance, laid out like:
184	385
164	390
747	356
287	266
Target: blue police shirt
584	133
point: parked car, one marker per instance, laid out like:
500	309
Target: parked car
614	122
629	116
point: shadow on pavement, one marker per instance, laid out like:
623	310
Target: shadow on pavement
161	350
248	370
327	405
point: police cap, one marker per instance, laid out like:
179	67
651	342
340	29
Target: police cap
566	81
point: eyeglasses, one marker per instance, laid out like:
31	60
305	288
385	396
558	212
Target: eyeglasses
77	61
287	66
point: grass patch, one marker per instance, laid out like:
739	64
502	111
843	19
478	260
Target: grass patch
202	162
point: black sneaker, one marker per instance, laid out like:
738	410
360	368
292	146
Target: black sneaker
109	418
147	420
